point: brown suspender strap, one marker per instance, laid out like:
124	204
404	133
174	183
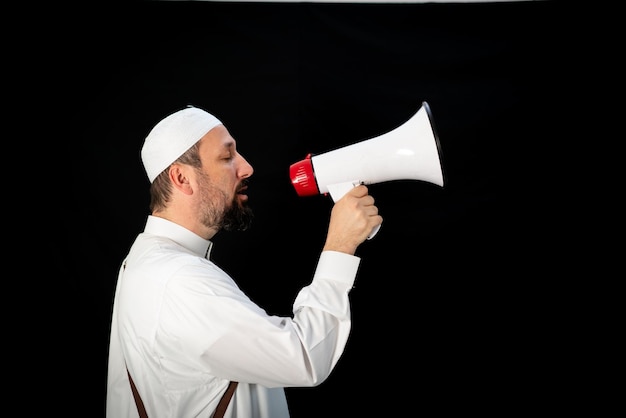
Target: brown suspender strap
221	407
219	411
138	401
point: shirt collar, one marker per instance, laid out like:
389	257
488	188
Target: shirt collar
179	234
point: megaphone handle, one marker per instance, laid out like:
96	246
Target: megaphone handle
337	191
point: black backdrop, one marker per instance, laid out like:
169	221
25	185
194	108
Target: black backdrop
446	288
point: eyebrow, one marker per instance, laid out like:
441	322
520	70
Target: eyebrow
229	143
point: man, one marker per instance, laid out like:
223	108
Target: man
182	331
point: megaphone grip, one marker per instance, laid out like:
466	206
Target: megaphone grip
337	191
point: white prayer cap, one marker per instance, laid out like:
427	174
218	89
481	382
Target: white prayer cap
172	136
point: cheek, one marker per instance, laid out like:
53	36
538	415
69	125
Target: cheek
227	180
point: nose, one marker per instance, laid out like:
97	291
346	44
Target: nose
245	169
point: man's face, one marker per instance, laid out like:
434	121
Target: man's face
223	182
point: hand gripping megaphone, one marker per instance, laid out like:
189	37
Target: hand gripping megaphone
409	152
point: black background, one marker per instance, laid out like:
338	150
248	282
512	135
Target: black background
448	291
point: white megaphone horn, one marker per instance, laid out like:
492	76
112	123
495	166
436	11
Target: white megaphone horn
409	152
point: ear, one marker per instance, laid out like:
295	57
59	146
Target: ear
179	176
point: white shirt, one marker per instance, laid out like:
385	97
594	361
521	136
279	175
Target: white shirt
184	329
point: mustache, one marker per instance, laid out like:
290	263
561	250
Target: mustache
243	185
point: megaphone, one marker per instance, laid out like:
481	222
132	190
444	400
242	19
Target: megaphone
408	152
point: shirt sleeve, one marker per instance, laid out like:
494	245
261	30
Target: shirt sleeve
218	330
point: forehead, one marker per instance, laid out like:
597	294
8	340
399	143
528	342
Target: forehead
217	140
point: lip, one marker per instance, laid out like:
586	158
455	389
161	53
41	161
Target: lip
241	192
242	196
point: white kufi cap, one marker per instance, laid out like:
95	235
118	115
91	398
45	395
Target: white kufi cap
172	136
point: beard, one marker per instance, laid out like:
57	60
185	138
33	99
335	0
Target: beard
237	217
221	213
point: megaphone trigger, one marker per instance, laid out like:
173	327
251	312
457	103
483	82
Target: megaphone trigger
374	232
